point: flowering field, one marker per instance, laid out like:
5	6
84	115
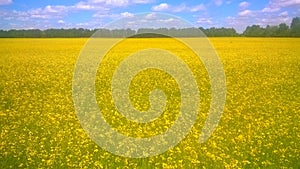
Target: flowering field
259	127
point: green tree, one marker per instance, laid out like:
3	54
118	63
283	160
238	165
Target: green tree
271	31
254	31
283	30
295	27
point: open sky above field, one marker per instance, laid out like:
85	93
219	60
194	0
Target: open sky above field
31	14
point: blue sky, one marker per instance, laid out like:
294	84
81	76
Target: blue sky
31	14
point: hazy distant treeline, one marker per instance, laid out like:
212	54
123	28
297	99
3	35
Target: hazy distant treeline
116	33
281	30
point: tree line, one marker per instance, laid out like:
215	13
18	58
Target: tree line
281	30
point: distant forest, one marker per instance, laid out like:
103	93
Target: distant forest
281	30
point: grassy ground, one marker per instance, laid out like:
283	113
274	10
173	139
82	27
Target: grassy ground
259	127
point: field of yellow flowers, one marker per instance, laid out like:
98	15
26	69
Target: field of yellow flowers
259	128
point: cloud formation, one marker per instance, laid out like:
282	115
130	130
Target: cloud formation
127	14
245	13
218	2
178	8
94	13
5	2
161	7
244	4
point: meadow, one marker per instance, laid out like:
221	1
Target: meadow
259	127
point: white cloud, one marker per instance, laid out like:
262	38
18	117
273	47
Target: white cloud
5	2
205	21
197	8
102	4
95	1
61	21
277	5
83	6
179	8
48	12
245	13
162	21
270	15
15	15
142	1
244	4
169	20
270	9
284	14
239	23
218	2
286	3
55	9
104	10
117	2
54	14
150	16
105	14
91	6
127	15
151	20
270	20
161	7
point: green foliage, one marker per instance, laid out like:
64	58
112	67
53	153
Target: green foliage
282	30
295	27
219	32
254	31
49	33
